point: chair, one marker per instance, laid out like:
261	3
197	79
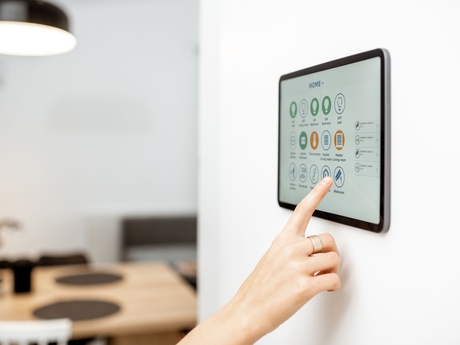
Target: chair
63	259
172	239
5	264
39	332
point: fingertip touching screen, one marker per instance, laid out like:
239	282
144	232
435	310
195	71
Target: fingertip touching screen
334	120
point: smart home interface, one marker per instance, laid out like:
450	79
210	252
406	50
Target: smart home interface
334	121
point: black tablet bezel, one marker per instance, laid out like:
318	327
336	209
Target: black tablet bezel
385	136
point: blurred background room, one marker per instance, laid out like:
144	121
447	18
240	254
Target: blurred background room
103	132
98	145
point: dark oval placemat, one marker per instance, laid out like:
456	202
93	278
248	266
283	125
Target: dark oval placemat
77	310
89	279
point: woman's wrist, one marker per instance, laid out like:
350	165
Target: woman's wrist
248	320
233	324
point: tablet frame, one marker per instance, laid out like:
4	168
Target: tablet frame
385	136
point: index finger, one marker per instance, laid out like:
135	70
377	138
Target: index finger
304	210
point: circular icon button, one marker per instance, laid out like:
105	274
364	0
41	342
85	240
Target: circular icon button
339	177
303	107
314	174
357	153
326	140
314	106
357	140
293	140
303	172
339	140
292	171
326	105
303	140
293	109
314	140
339	103
325	171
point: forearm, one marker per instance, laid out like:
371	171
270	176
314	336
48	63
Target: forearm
231	325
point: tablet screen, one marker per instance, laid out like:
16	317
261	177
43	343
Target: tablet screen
334	121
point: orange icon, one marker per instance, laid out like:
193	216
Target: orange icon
339	140
314	140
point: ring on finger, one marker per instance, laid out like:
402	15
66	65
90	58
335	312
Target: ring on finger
317	244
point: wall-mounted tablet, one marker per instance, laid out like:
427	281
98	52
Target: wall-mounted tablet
334	120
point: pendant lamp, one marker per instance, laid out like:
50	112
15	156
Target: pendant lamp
33	28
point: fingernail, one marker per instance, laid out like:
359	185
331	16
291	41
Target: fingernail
327	180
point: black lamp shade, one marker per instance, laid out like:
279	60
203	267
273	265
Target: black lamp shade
33	27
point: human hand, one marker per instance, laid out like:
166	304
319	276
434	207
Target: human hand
288	275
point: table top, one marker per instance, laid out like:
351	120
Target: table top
151	295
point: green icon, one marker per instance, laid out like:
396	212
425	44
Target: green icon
303	140
293	109
314	106
326	105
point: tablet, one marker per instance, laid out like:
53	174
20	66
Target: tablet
334	120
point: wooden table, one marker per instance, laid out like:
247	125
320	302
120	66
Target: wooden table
156	304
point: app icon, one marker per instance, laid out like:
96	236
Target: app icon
326	140
314	106
292	171
326	105
325	171
303	108
339	177
339	103
339	140
293	109
314	174
303	140
293	140
303	172
314	140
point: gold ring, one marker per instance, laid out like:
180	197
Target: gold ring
317	244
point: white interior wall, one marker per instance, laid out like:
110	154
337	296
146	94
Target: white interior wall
399	287
209	156
104	131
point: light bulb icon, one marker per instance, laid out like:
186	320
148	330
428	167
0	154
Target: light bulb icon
326	105
303	108
314	106
339	103
293	109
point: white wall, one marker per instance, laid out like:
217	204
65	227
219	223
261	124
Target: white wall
104	131
398	288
